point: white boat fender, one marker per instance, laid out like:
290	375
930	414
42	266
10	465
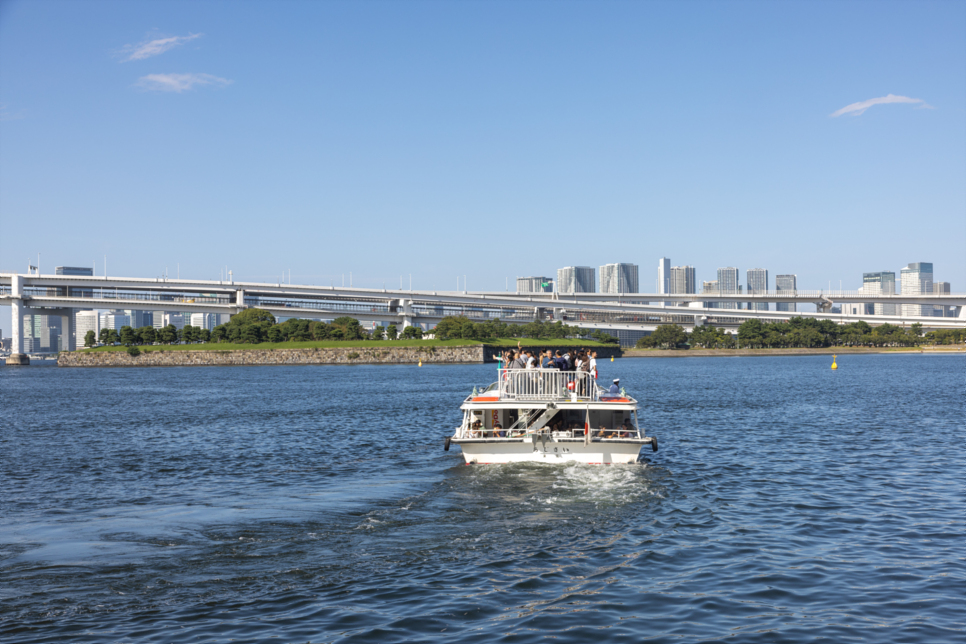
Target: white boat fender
653	443
446	444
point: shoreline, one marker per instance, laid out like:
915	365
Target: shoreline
463	354
736	353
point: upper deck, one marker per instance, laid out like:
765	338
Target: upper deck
544	386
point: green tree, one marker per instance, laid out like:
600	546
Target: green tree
147	335
669	336
347	328
204	335
168	334
916	329
412	332
376	333
219	333
90	339
275	334
252	316
751	333
128	336
391	332
189	334
103	335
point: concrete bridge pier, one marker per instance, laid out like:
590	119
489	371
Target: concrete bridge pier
405	308
17	356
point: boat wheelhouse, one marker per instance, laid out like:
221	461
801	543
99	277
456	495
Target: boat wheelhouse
549	416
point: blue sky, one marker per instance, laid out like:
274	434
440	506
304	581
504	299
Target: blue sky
485	139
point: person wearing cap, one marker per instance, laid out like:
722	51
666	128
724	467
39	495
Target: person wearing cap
616	387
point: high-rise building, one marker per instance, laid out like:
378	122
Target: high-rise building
728	285
140	318
786	284
682	281
618	278
664	276
534	285
916	279
176	319
85	321
881	283
576	279
114	320
710	288
941	288
205	320
757	283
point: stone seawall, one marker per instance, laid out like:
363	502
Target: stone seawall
471	354
253	357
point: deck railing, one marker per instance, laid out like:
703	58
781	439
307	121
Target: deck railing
547	384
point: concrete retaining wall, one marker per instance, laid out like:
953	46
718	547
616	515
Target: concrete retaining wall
334	355
252	357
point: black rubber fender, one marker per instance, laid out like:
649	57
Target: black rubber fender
653	443
446	444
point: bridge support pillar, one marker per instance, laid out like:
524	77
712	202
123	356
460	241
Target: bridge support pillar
406	309
17	356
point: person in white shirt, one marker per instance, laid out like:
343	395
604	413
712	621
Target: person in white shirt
593	365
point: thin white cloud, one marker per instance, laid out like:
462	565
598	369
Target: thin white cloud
7	115
855	109
150	48
179	82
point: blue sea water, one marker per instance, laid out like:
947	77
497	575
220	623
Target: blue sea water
788	503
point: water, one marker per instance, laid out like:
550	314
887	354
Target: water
788	503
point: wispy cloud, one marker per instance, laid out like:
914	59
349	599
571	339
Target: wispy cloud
855	109
179	82
150	48
7	115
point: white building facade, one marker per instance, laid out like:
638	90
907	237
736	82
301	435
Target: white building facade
619	278
757	283
576	279
786	284
916	279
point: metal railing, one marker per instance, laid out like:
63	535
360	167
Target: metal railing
319	305
110	294
547	384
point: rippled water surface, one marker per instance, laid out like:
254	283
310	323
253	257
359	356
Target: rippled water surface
788	503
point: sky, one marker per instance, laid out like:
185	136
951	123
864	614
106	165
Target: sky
485	139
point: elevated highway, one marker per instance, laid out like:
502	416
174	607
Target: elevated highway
62	295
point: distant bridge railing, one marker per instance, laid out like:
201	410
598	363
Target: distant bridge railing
320	305
76	292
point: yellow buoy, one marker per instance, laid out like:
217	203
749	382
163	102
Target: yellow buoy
834	366
612	358
420	364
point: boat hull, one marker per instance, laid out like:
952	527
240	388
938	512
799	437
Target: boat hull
481	452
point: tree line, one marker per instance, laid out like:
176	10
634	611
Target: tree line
798	332
254	326
462	328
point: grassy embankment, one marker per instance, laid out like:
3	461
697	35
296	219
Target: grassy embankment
328	344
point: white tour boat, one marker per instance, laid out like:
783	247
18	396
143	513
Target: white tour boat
549	416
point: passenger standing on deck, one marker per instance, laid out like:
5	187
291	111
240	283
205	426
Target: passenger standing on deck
616	387
593	365
546	359
518	361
